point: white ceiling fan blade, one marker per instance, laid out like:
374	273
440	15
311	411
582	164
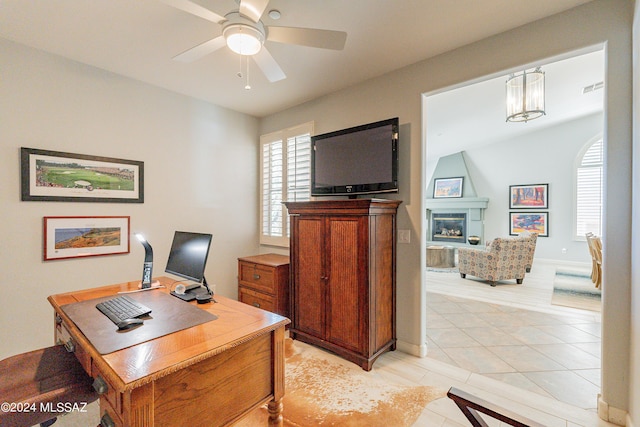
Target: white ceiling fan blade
194	9
201	50
325	39
253	9
268	65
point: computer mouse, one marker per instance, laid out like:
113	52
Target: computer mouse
129	323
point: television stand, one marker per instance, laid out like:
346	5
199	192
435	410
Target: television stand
343	293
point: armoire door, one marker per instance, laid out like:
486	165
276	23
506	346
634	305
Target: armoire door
346	270
309	278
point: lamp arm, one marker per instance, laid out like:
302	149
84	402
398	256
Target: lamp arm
148	252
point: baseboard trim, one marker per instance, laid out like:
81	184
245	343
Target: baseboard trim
412	349
611	414
575	264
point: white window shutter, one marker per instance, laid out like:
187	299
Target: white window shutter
283	178
589	191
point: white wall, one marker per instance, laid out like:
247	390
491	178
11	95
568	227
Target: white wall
399	94
200	175
634	380
543	157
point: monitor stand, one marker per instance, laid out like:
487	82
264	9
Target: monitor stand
192	291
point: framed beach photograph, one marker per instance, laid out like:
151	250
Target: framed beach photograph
85	236
447	187
534	222
68	177
530	196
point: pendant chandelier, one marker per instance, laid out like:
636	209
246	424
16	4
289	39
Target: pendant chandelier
525	96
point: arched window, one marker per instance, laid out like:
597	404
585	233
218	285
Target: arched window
589	189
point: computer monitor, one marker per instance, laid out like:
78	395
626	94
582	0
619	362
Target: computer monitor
188	255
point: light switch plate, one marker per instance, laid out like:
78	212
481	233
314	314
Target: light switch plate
404	236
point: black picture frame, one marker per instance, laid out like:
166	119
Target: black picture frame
50	176
533	222
529	196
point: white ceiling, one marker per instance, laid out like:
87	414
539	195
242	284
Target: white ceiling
138	38
475	115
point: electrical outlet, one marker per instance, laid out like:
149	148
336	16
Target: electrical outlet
404	236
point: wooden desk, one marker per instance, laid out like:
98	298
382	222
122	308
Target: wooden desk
212	374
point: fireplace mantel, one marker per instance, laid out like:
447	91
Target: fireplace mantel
458	203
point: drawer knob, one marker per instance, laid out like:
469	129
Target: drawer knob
256	304
106	421
256	276
58	319
100	386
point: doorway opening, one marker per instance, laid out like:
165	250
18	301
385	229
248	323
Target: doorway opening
470	119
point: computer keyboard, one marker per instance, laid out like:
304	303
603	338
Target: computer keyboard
122	308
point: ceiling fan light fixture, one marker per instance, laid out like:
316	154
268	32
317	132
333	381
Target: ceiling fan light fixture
243	39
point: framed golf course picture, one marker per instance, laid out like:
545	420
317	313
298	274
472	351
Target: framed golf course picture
67	177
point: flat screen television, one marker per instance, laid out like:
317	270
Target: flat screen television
188	255
357	160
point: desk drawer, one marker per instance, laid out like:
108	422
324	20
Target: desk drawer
106	410
257	299
257	277
63	336
110	394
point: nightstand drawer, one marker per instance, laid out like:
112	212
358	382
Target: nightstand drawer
263	281
257	299
257	277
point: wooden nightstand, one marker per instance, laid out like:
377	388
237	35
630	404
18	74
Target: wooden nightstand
263	282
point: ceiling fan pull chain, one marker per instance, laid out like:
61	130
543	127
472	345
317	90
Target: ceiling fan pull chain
247	86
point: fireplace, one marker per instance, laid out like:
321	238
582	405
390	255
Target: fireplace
449	227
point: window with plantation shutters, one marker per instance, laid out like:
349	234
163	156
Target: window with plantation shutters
589	190
285	171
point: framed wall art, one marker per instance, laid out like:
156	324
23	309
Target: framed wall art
85	236
67	177
530	196
447	187
534	222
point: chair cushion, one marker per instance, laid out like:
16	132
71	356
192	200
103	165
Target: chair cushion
44	381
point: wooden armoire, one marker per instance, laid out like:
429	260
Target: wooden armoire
343	276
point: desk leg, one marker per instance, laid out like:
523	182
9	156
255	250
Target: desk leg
275	413
275	406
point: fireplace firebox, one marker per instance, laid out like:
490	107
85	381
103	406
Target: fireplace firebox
449	227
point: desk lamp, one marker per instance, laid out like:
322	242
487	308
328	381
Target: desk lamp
147	267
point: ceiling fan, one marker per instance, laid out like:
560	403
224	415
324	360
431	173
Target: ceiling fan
244	33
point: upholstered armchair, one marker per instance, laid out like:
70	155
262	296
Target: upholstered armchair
533	238
504	259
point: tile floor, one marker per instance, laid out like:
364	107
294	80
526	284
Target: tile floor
555	355
509	344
